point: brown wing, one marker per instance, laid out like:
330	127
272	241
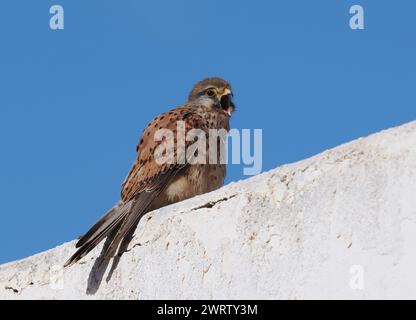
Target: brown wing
145	181
145	170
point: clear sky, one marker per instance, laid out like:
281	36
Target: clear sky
73	102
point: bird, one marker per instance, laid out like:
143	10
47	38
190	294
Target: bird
152	184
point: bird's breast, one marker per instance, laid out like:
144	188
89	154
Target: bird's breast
195	180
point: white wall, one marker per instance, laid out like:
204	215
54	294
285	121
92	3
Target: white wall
339	225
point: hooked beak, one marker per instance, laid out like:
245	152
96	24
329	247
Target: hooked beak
226	102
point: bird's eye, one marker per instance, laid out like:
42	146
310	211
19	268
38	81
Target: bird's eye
211	92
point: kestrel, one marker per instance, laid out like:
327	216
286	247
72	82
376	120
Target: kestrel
150	185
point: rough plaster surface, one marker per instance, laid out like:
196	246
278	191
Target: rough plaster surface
341	224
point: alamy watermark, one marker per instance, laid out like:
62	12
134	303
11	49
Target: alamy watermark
197	146
56	22
357	277
357	20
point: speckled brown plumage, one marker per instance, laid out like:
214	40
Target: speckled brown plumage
150	185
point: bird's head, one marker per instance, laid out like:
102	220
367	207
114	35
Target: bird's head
213	93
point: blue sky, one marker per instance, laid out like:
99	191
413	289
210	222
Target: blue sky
73	102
